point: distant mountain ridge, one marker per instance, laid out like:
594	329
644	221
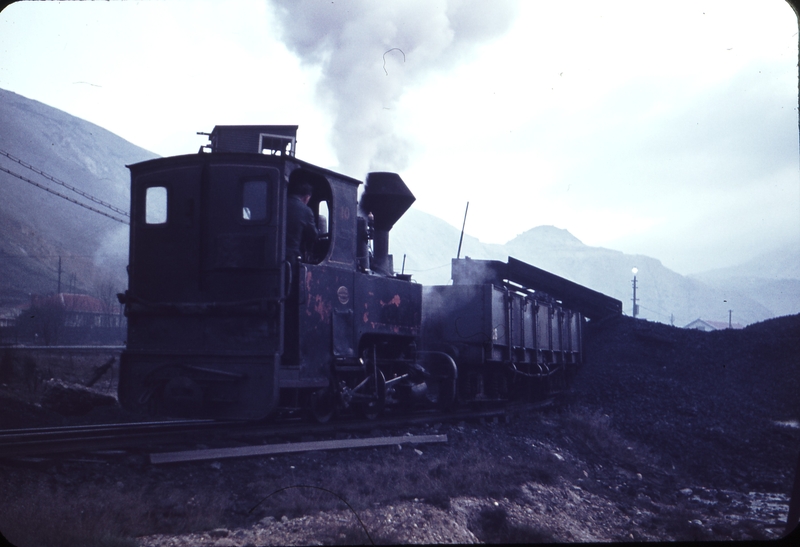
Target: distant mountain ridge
546	237
780	264
37	228
662	294
773	278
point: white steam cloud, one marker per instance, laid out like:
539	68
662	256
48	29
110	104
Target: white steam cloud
370	52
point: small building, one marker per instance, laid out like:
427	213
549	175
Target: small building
8	316
81	310
708	326
66	319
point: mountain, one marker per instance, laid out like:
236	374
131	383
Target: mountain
663	295
39	228
772	278
775	265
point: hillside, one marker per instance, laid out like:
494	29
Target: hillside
38	227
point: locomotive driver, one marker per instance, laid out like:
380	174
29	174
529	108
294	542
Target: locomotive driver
301	230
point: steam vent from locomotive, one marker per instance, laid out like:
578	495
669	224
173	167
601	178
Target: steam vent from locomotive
221	325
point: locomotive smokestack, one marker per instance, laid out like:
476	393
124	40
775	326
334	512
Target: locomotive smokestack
387	197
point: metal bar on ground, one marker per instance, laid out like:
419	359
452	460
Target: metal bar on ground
62	348
243	451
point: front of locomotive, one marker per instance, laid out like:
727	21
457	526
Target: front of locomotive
206	280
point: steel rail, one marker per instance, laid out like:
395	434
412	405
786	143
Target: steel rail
54	440
99	428
97	349
87	438
50	440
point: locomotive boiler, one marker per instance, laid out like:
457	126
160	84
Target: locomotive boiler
222	325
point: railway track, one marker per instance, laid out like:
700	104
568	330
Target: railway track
53	440
147	435
11	349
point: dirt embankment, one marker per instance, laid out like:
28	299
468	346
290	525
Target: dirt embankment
667	435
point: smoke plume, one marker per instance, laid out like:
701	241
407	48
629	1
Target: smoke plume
370	52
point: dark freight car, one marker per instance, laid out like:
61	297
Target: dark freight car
507	340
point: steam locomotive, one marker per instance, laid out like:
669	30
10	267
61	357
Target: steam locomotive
221	325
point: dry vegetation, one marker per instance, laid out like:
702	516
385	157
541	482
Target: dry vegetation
667	435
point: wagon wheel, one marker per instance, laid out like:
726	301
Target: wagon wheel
323	405
440	379
374	407
499	385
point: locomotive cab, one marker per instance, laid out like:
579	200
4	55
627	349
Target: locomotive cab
209	292
205	287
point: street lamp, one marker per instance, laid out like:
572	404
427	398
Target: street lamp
635	305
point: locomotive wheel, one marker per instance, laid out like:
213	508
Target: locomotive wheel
323	405
374	408
181	397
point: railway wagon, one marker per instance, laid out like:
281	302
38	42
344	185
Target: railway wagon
515	331
507	344
222	325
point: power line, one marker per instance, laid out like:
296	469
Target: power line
654	311
429	269
64	184
76	202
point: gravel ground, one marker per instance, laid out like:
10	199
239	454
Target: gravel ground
667	435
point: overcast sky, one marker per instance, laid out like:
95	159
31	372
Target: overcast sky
665	129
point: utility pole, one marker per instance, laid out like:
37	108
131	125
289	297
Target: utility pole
730	319
59	275
463	225
635	305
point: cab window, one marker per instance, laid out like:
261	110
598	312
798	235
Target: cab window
254	200
155	205
322	218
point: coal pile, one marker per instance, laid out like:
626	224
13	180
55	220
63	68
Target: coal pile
721	406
